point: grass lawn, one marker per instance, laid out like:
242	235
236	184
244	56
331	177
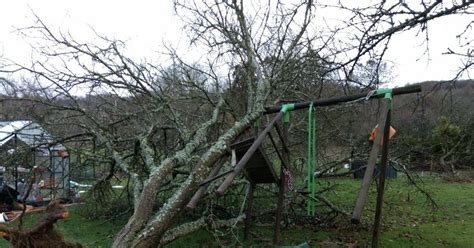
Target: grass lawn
407	221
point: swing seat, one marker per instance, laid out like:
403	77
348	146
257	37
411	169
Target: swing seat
258	169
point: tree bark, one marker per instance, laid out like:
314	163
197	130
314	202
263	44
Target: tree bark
146	200
203	222
151	235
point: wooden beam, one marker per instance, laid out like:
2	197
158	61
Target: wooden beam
279	209
280	156
380	192
248	210
212	179
338	100
281	186
369	171
283	141
203	187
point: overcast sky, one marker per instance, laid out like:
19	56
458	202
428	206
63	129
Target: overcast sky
145	25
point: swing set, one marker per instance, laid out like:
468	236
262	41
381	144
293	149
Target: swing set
248	156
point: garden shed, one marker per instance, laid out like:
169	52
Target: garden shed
28	149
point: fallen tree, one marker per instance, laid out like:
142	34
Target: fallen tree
271	56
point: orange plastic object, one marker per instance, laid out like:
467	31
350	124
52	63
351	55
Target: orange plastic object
391	133
66	215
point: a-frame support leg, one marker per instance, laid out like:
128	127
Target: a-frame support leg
248	210
369	171
279	209
281	184
381	189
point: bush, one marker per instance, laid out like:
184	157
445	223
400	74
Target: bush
447	146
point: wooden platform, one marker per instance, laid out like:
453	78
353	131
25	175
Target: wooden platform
258	169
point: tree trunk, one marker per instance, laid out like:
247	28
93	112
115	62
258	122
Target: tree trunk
161	222
151	187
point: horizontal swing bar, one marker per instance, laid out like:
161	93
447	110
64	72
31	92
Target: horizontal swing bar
337	100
